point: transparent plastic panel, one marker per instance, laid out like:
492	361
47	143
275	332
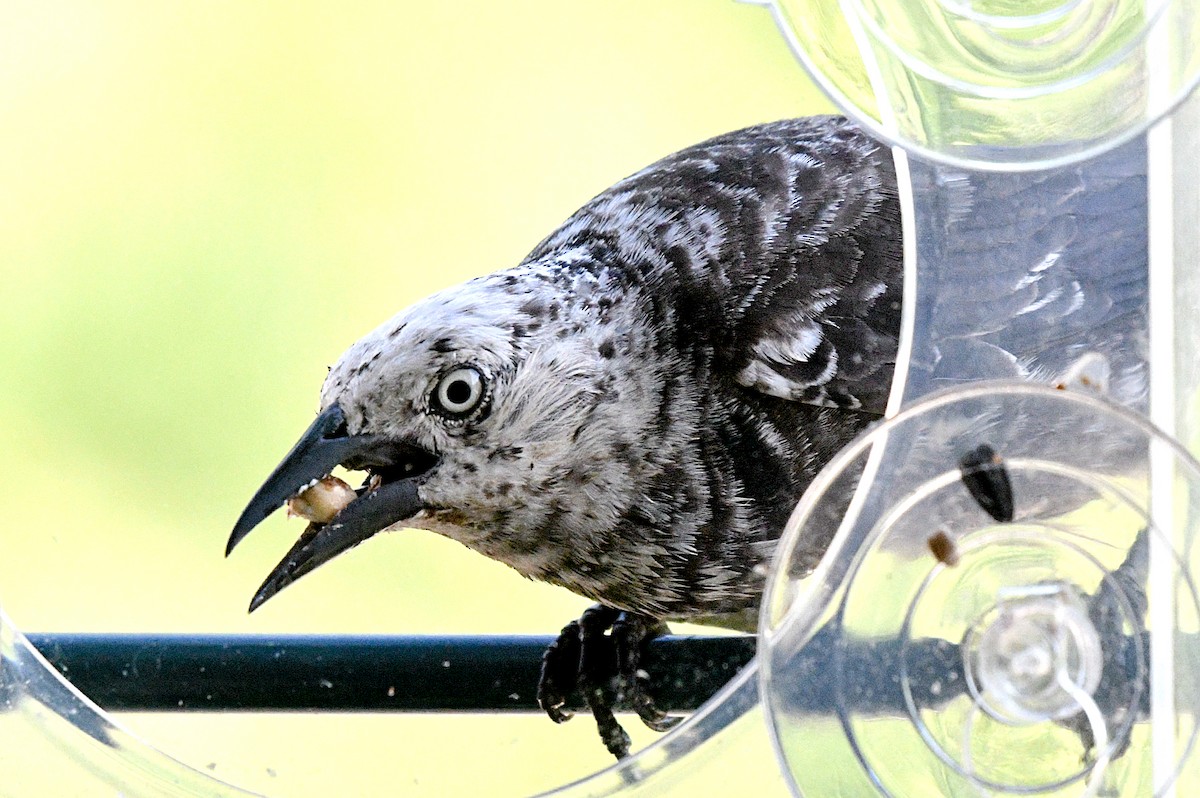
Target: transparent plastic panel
1027	275
997	84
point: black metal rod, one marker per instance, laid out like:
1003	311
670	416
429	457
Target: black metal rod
209	673
336	673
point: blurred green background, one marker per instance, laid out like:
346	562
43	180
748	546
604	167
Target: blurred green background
201	206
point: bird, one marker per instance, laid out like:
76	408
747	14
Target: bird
632	411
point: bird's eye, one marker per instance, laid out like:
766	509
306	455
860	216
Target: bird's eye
459	391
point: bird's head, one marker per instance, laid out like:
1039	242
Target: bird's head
474	416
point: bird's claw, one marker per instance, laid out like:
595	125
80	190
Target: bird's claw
631	633
604	666
560	673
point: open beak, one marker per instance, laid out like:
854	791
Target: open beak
395	469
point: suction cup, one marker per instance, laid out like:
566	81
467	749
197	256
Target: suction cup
1007	597
997	84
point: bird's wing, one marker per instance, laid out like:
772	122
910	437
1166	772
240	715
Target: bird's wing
817	270
780	247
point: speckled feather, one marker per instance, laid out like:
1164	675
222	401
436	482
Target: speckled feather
665	373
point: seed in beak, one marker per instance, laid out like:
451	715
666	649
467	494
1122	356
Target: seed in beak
321	501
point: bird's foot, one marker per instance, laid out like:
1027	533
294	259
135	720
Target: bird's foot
600	656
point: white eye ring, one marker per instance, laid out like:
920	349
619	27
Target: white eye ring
459	391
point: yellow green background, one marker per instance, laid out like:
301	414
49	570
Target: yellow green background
201	205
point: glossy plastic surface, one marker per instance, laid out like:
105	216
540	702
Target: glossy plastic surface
43	719
997	84
1048	623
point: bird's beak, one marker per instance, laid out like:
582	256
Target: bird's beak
323	446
